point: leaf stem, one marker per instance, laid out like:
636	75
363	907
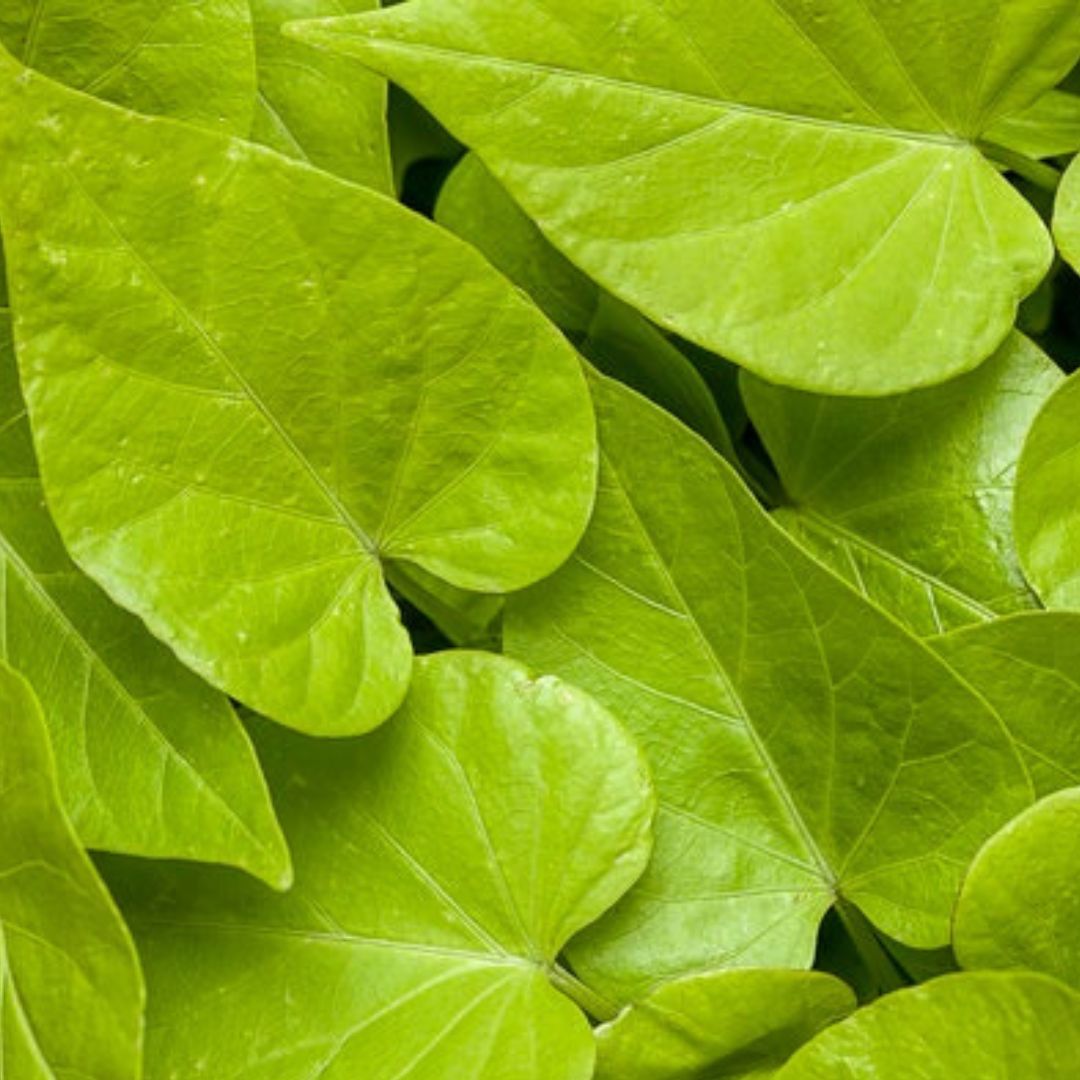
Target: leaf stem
1036	172
596	1005
882	968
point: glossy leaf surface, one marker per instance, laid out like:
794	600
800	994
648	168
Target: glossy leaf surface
1048	128
344	384
724	1024
70	990
1020	904
993	1026
910	498
442	863
794	185
804	746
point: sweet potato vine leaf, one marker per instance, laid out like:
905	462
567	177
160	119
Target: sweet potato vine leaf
251	384
910	498
442	863
806	749
798	186
721	1024
990	1025
1020	904
1048	128
71	994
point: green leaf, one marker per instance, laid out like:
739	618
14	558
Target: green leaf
442	864
721	1024
1067	215
797	186
1047	513
241	490
986	1025
1020	904
319	108
190	59
1050	127
71	994
805	747
910	498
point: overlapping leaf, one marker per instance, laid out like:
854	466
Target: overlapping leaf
805	748
251	384
70	989
1050	127
795	185
910	498
442	863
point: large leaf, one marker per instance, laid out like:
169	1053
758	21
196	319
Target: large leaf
343	385
191	59
910	498
723	1024
1020	905
806	749
986	1025
1048	128
70	989
796	185
1027	668
1048	499
442	863
320	108
151	760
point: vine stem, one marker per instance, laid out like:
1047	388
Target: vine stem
1037	172
879	963
596	1005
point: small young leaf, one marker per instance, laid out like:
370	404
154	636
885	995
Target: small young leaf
796	186
986	1025
71	994
910	498
343	384
805	747
727	1023
1020	905
442	864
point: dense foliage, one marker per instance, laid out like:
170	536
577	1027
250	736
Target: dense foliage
567	566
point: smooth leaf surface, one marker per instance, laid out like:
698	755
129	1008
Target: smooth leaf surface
1047	513
344	385
1048	128
442	863
986	1025
319	108
190	59
794	185
71	993
1067	215
723	1024
805	747
151	761
910	498
1020	904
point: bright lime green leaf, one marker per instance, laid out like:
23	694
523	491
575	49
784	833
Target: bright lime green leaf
1048	128
151	761
71	993
1027	668
615	337
442	864
1047	513
344	385
723	1024
987	1026
911	498
804	746
468	619
1067	215
317	107
190	59
1020	905
794	185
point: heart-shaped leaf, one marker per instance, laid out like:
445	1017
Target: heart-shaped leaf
442	864
70	986
343	384
805	748
1020	904
910	498
796	185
